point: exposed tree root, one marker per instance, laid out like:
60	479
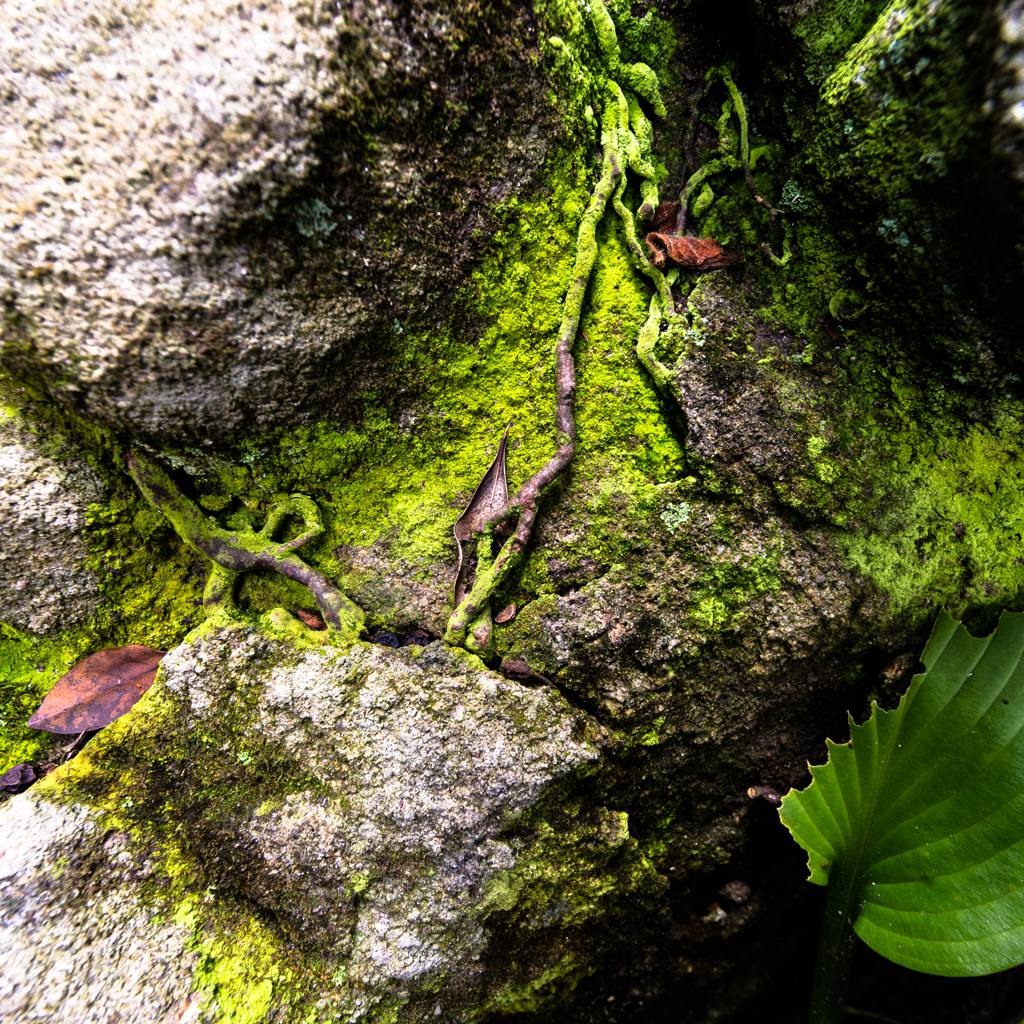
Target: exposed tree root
233	552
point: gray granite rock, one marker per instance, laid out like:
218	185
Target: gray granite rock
383	864
203	205
74	951
426	757
45	584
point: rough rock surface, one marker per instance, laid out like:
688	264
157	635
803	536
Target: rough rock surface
78	944
427	759
414	764
738	556
199	201
44	497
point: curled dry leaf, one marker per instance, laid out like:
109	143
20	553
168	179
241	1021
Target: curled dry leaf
506	614
519	670
15	779
689	253
491	495
665	218
311	619
98	690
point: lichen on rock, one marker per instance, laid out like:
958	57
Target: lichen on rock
374	852
75	950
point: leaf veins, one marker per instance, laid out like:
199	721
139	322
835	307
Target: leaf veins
98	690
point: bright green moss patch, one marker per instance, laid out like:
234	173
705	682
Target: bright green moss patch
150	581
829	30
403	482
29	666
950	520
723	591
239	965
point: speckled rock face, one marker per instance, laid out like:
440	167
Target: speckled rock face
204	207
78	944
425	757
45	584
380	856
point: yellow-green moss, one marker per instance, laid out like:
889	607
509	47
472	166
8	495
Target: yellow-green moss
575	865
239	965
150	585
29	666
246	965
950	520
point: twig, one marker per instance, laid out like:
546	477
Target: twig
72	750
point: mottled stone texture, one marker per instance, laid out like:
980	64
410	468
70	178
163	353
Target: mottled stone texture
45	583
384	863
324	249
218	217
78	943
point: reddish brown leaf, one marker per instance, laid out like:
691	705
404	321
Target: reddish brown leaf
665	218
519	670
97	690
506	614
689	253
311	619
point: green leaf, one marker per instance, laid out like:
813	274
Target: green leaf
921	815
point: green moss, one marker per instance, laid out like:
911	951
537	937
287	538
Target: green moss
829	30
950	516
237	969
29	666
555	984
172	788
722	592
574	866
149	584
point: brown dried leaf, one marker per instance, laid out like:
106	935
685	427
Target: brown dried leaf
665	218
491	495
689	253
515	668
311	619
519	670
15	779
98	690
505	615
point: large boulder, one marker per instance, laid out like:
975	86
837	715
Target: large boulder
361	800
218	217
